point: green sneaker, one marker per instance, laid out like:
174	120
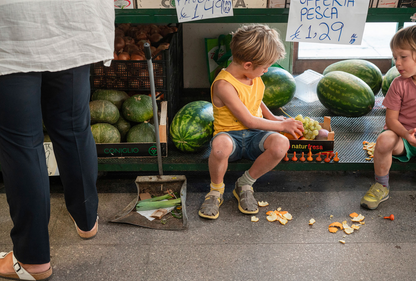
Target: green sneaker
374	196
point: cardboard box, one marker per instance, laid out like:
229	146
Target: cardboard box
280	4
124	4
139	149
170	4
383	3
315	145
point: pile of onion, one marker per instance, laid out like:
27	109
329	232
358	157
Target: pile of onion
130	39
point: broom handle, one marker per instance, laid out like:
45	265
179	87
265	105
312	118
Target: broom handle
148	55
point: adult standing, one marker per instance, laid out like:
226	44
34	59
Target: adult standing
45	51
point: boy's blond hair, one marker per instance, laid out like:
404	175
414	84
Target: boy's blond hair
405	39
258	44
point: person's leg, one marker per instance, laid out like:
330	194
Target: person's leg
388	144
267	149
221	148
25	175
275	148
66	115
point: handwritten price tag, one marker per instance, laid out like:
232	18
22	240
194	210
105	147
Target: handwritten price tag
191	10
327	21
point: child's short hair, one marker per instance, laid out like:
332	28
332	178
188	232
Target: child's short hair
258	44
405	39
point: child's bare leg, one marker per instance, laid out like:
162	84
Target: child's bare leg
222	146
276	146
388	144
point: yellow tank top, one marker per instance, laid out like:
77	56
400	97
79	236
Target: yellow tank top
250	95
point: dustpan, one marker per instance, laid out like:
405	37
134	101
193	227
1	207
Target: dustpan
156	185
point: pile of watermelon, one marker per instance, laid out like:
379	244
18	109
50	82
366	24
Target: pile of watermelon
349	87
117	117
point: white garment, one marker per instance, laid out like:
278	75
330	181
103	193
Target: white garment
54	35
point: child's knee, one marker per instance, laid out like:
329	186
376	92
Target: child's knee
386	141
278	145
221	147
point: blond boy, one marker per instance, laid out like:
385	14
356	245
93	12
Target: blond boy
243	125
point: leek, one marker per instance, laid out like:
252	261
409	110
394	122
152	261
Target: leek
166	196
145	205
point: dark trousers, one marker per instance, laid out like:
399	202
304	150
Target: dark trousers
61	100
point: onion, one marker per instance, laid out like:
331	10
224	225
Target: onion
131	48
140	35
124	26
118	32
128	40
155	37
119	44
124	56
165	31
115	56
137	56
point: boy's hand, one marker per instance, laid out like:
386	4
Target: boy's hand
293	127
411	138
280	118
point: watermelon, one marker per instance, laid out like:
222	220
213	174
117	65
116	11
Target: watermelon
114	96
280	87
345	94
388	78
103	111
105	133
143	132
365	70
123	127
192	127
137	108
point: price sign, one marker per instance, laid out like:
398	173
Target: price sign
191	10
327	21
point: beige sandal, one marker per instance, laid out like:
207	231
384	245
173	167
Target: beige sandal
21	274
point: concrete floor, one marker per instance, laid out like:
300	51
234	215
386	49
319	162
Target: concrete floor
234	248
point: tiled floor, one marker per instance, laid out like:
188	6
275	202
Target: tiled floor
234	248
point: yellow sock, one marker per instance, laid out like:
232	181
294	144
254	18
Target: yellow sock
218	187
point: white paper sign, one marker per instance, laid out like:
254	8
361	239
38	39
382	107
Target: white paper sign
327	21
192	10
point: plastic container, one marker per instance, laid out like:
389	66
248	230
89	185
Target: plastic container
306	84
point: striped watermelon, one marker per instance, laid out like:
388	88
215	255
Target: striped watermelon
365	70
388	78
192	127
345	94
280	87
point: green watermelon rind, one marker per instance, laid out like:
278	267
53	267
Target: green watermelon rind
345	94
363	69
280	87
391	74
192	126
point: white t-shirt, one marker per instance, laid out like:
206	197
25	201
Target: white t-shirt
54	35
